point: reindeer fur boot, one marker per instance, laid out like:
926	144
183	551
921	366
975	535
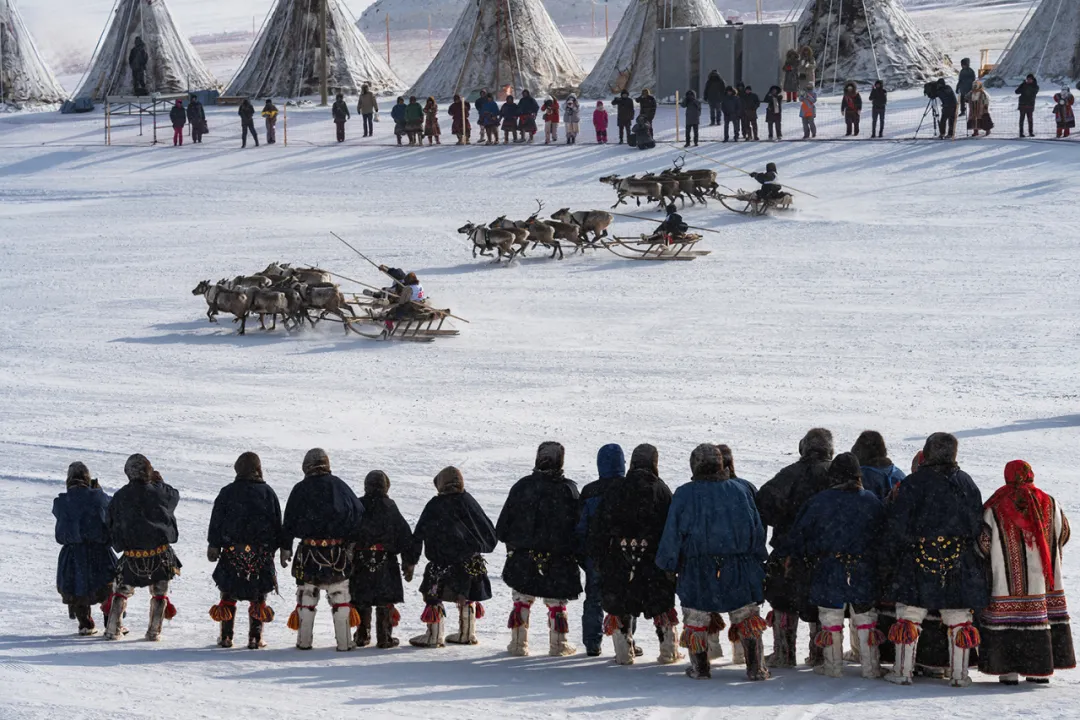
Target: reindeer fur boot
433	638
384	627
114	624
558	629
466	634
624	643
225	637
255	630
86	620
519	626
785	627
362	637
830	640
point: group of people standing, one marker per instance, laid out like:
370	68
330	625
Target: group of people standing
924	570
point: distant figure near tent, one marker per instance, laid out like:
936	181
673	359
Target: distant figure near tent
137	59
141	53
24	76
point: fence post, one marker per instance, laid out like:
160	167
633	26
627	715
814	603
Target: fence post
676	116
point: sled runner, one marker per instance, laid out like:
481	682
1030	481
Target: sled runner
747	202
653	248
424	326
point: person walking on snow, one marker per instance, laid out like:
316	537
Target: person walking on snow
808	113
964	83
749	102
509	113
178	117
624	114
196	115
537	525
980	119
1028	92
851	108
414	121
712	523
774	111
693	116
247	122
714	96
732	110
397	114
550	109
367	105
270	113
528	109
432	131
600	121
460	127
86	567
572	119
879	98
1064	118
340	111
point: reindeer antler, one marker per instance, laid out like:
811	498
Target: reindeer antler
680	162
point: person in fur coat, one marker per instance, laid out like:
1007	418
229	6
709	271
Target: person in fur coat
537	525
844	559
714	541
376	579
623	541
933	532
87	565
780	500
244	534
454	533
1025	628
979	115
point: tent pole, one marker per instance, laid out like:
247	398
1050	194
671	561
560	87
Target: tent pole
839	30
324	89
607	37
7	15
388	38
285	120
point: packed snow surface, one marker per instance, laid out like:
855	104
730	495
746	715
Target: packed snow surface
928	286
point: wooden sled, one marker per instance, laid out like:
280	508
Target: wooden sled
748	203
423	328
645	248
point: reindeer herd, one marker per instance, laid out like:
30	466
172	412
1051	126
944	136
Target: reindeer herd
296	295
510	238
666	187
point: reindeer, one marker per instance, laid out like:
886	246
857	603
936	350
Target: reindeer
635	188
670	189
250	281
311	276
687	186
221	298
543	233
269	302
517	229
704	180
594	221
486	239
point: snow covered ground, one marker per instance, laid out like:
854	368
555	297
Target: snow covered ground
928	287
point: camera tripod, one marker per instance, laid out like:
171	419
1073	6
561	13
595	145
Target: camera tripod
931	107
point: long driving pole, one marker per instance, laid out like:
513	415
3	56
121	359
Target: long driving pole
324	85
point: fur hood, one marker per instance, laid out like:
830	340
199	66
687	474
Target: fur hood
706	463
248	467
450	481
377	484
816	445
845	473
646	457
78	475
549	458
940	451
138	469
870	449
316	462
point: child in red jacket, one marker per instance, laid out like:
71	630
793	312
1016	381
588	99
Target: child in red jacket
600	122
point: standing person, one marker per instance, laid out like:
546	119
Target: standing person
780	500
489	118
247	122
980	110
623	539
341	114
732	109
178	118
693	116
774	111
964	84
138	59
383	535
879	98
87	566
367	105
712	524
807	68
750	103
244	534
791	75
600	121
947	124
454	534
509	113
323	513
647	106
270	113
572	118
537	526
527	111
414	121
1025	629
844	556
550	109
142	526
808	113
1064	118
714	95
879	475
624	115
397	114
432	131
851	107
1028	92
460	126
934	527
196	115
610	467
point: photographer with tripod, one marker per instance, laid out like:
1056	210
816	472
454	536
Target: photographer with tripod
949	107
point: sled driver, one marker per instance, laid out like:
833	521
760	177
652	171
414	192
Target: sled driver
770	189
672	228
410	298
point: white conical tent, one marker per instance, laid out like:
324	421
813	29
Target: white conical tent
868	40
286	59
629	60
497	43
1048	46
24	76
173	67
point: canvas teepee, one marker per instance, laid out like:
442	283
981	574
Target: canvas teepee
629	60
497	43
286	59
868	40
24	77
1048	46
173	66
